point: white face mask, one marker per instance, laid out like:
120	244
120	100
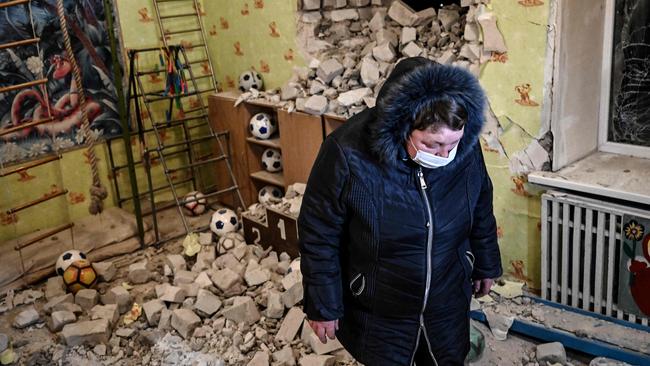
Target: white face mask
430	161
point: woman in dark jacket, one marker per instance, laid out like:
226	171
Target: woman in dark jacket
397	222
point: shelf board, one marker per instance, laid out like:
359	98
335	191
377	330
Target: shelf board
274	142
268	177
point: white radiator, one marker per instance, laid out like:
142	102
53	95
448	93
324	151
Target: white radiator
581	246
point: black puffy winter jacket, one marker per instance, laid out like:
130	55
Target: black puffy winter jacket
388	247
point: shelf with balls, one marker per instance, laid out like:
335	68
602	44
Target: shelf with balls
271	148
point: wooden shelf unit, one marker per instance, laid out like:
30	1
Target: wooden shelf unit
298	138
331	122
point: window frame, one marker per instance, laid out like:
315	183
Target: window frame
604	144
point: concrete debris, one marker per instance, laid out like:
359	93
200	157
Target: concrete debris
353	97
47	308
310	4
499	324
106	271
344	14
316	360
173	294
152	310
120	296
26	318
4	342
108	312
86	298
329	69
284	357
290	325
274	305
321	348
243	309
86	332
138	273
551	352
402	13
176	263
203	280
257	276
411	50
424	16
492	37
225	279
316	104
409	34
54	287
184	321
448	18
207	303
509	289
384	52
472	33
184	277
205	238
386	36
125	332
293	295
311	17
377	22
289	91
67	306
261	358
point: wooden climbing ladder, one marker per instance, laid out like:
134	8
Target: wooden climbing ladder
193	135
191	27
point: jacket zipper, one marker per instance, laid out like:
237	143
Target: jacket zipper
423	187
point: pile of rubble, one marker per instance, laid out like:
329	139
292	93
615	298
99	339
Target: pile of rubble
353	46
236	301
289	204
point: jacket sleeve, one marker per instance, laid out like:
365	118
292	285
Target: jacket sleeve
320	226
483	237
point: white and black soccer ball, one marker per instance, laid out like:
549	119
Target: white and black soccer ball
262	126
272	160
269	194
250	79
224	221
67	258
195	203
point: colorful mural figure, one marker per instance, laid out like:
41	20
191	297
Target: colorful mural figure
634	269
58	98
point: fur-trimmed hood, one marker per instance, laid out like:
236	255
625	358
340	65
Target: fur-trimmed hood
414	83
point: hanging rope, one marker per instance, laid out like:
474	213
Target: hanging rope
98	192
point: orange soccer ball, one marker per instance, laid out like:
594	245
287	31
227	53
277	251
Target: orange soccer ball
80	275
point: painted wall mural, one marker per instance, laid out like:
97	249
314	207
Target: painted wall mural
58	97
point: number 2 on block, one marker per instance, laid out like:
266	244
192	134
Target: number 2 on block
259	236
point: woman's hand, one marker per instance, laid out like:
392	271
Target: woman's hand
482	287
324	328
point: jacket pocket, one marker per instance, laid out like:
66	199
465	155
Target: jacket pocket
357	284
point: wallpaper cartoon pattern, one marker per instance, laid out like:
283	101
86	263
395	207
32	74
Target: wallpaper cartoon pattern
57	98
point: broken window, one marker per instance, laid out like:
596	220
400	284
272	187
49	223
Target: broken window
629	121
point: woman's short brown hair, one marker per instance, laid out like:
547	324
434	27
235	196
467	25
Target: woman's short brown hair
445	112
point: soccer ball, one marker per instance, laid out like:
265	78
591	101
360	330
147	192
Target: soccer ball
272	160
229	241
79	275
224	221
66	259
269	194
250	79
262	126
196	206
